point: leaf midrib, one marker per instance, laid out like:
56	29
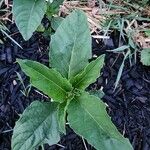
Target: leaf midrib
71	57
30	17
47	117
84	75
48	78
91	116
95	120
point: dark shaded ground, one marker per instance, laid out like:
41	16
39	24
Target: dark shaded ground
129	105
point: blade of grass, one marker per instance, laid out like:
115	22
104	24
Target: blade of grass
119	49
121	70
11	38
1	2
121	27
107	28
116	7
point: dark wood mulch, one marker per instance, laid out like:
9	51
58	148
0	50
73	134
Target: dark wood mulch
129	105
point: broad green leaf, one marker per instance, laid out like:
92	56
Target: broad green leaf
62	117
28	15
47	80
89	74
70	46
55	22
145	56
87	116
37	125
97	93
62	112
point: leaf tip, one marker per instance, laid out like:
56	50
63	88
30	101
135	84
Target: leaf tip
20	61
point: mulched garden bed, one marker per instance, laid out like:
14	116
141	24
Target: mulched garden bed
129	105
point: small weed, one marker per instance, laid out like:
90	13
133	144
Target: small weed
65	82
26	89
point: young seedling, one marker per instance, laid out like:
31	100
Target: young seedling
65	82
26	89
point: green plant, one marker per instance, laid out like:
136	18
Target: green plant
145	56
65	83
29	13
26	89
